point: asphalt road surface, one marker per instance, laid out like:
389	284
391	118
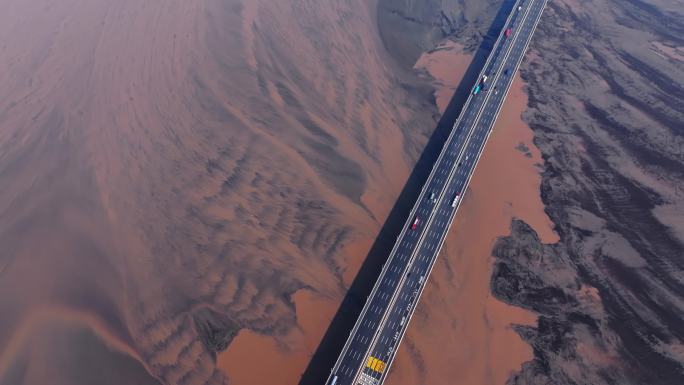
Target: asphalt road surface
372	344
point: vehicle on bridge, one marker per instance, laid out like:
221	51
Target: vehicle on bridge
375	364
481	86
476	90
508	32
415	223
455	201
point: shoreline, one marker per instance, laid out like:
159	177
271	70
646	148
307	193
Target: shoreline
458	309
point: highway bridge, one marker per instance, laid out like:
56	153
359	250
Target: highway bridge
373	342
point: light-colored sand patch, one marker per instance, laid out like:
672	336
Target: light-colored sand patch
671	215
674	53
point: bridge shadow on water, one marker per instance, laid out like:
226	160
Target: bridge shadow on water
342	323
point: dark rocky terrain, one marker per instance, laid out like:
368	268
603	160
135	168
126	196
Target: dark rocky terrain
409	28
606	83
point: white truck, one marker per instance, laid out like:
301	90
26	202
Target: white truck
455	201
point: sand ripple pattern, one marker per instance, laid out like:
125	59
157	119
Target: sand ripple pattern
173	172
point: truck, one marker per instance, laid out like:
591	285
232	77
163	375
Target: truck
455	201
480	85
375	364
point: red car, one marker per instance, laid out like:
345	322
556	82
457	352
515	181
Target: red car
508	32
415	223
